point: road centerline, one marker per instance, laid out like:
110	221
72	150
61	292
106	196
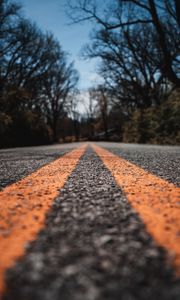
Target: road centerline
156	201
23	206
93	246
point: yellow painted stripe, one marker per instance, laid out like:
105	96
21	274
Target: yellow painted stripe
156	200
23	206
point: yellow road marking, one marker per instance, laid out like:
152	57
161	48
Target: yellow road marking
23	206
156	201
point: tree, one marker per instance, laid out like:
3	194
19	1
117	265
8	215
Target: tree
60	81
162	16
100	95
129	64
35	76
9	15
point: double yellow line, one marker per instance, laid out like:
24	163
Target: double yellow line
23	205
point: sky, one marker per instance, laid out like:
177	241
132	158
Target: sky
50	15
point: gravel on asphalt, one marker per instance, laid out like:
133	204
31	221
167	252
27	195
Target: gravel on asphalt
16	164
162	161
93	247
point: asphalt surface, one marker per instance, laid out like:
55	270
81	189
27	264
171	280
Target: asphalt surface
162	161
93	246
17	163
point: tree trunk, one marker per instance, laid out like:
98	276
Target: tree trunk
167	60
177	6
54	128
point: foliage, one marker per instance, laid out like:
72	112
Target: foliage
160	125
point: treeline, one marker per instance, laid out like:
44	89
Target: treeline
37	84
138	46
137	42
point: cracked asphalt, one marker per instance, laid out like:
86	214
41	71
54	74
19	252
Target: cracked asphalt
94	245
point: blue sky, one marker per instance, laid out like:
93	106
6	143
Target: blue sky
50	15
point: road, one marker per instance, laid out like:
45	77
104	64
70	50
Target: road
90	221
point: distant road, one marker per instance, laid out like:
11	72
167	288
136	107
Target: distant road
90	221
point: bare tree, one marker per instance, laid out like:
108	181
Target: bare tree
163	16
129	64
9	15
58	84
100	95
35	76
